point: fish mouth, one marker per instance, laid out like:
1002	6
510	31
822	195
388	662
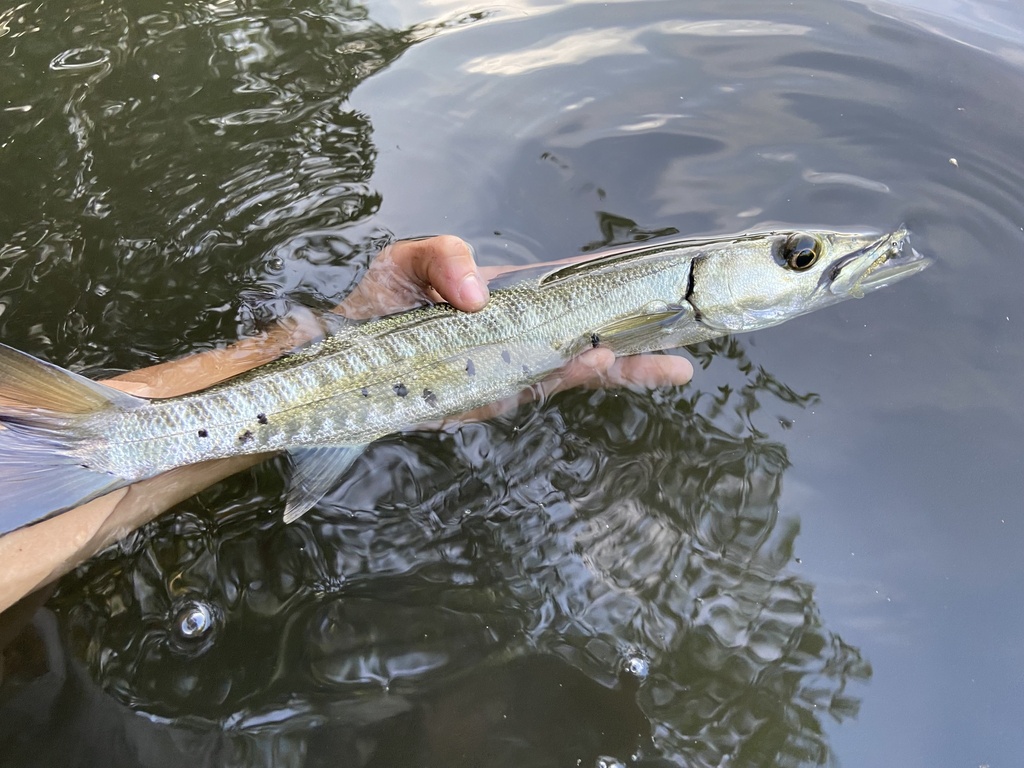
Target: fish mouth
881	262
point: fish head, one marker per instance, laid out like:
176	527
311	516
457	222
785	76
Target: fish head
762	280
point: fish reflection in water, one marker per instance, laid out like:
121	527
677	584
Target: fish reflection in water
618	593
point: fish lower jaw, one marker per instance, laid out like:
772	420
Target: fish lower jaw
887	269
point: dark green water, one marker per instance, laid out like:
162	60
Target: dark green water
810	553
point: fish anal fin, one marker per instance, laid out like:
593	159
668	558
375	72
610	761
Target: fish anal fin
315	471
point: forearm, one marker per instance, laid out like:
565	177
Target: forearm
38	554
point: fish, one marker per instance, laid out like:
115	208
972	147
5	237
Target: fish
65	439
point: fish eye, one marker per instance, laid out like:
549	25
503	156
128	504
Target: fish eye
801	251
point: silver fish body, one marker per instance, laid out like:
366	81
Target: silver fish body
373	379
68	440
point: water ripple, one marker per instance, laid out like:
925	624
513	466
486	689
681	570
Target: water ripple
80	59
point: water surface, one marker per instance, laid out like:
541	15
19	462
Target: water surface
812	552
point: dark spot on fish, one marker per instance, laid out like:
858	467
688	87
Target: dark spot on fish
400	389
203	433
245	436
526	370
594	339
261	418
430	397
470	368
506	356
365	392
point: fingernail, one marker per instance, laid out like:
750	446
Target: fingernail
472	291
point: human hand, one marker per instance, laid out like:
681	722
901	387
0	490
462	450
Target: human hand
415	272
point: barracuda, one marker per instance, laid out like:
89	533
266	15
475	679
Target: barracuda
67	439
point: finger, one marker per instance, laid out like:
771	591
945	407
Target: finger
600	368
593	369
650	371
411	273
590	369
446	264
387	287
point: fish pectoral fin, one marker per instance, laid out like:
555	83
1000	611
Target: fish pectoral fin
645	332
315	471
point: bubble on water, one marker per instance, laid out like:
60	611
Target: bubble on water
636	665
194	620
193	625
603	761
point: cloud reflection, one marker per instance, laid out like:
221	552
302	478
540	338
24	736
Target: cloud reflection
578	47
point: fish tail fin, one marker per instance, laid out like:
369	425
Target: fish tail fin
41	409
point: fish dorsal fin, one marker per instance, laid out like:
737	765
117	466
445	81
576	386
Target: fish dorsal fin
315	471
515	277
629	255
645	332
